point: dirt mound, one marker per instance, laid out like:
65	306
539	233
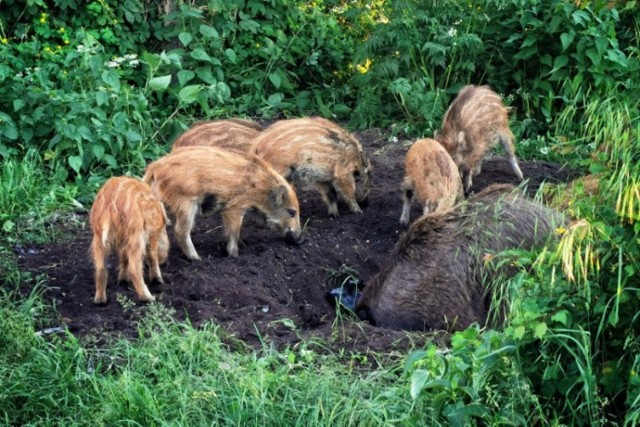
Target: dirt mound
272	292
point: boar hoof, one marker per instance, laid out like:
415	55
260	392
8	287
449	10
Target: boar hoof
100	301
147	298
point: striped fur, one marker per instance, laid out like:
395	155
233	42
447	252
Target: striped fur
233	134
317	153
191	179
431	177
473	123
128	218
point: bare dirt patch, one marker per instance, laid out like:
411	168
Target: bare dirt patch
273	292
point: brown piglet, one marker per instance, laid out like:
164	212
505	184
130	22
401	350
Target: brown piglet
127	217
473	123
193	179
231	134
431	177
317	153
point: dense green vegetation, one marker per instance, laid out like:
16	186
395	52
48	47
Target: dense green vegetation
93	89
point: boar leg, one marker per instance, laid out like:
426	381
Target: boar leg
407	198
232	222
347	187
507	144
123	261
135	251
154	264
329	197
101	274
467	178
185	218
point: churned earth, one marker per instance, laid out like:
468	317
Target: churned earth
273	293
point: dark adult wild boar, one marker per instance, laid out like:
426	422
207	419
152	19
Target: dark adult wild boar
473	123
231	134
431	177
126	217
437	274
193	179
317	153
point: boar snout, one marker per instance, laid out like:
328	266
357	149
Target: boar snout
292	237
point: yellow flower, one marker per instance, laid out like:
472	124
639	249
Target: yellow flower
43	18
66	42
364	67
58	47
4	40
561	230
61	30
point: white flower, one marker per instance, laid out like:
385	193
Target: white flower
134	63
130	56
113	64
544	150
452	32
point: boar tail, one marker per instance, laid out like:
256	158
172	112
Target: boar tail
513	161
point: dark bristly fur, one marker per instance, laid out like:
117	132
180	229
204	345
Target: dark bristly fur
433	279
475	121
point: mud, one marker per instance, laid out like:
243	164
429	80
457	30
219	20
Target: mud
273	293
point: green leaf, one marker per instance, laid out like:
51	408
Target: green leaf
185	38
526	53
618	57
561	317
541	329
275	99
529	41
200	55
133	136
560	62
7	226
209	32
519	332
418	380
275	79
101	98
567	39
189	94
160	84
75	162
111	78
98	151
184	76
18	104
231	55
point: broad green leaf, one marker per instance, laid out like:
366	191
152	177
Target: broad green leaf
189	94
560	62
567	39
185	38
18	104
231	55
200	55
618	57
526	53
184	76
418	380
101	98
7	226
98	151
275	79
561	317
209	32
160	83
541	329
133	136
529	41
275	99
519	332
111	78
75	162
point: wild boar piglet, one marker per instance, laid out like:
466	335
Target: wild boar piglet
231	134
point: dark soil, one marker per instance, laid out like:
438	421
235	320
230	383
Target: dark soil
273	292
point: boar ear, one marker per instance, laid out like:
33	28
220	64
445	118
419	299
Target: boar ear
278	195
